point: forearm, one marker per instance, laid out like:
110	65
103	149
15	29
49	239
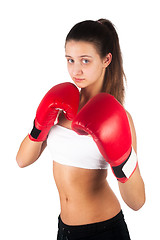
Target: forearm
133	191
29	152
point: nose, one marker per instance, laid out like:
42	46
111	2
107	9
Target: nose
77	69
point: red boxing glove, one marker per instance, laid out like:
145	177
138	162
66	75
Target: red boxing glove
104	118
65	97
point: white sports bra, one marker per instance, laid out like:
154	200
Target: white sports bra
69	148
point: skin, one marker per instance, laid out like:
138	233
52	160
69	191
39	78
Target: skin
85	195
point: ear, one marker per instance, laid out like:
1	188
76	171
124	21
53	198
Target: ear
107	60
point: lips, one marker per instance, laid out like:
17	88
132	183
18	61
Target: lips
78	79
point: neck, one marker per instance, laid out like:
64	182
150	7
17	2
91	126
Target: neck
87	93
90	91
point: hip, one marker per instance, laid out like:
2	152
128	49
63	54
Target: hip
111	229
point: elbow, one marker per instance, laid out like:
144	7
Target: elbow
20	163
139	204
24	162
138	207
140	201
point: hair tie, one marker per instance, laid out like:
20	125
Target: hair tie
99	22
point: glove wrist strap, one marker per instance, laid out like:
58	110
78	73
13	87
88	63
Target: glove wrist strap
125	170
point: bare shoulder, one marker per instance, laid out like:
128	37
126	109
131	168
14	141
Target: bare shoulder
133	131
129	118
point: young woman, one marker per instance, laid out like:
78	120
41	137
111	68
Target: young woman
89	208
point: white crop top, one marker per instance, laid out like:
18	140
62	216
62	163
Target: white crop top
69	148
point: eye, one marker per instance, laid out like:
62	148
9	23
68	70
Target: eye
85	61
70	60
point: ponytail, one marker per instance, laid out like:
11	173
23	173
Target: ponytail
114	75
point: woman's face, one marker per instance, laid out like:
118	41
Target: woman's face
84	64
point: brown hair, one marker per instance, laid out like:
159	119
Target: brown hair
103	35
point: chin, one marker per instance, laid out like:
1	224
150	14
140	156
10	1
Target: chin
80	85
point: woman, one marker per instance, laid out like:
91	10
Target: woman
89	208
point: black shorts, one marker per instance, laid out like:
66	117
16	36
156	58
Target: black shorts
112	229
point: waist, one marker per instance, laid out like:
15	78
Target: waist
89	229
84	208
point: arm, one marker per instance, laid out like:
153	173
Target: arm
114	135
133	191
59	97
29	152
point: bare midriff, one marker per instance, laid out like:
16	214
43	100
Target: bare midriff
85	195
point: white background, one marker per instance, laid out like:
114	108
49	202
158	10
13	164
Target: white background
32	35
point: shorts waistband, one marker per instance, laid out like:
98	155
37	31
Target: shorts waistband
88	228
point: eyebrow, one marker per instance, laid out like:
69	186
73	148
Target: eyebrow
80	56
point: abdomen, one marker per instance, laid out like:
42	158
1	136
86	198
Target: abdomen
85	195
